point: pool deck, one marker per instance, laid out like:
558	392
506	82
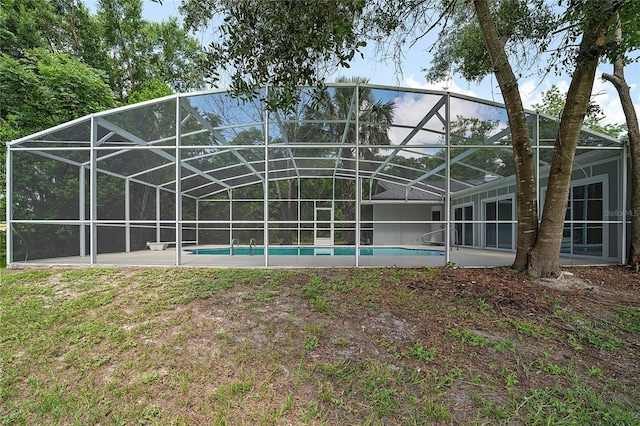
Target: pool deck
464	257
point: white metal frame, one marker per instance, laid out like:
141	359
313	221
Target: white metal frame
249	172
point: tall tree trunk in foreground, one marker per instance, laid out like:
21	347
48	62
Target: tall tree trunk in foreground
538	249
545	256
527	207
619	82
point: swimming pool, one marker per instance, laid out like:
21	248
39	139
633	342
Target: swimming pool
318	251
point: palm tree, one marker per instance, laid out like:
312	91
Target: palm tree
374	119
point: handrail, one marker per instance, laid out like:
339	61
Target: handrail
236	242
455	231
252	245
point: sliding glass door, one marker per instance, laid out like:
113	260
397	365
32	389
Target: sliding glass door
586	203
499	234
464	229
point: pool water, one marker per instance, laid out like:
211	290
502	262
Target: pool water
318	251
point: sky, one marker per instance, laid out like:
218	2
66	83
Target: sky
417	58
531	88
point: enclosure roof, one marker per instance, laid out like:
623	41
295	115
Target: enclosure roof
399	137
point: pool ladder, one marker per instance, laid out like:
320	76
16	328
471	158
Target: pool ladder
236	243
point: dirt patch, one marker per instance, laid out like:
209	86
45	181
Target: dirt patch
336	346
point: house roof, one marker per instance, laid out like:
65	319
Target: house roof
426	191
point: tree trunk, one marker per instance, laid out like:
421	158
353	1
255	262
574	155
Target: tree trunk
619	82
634	144
289	212
527	205
348	194
545	256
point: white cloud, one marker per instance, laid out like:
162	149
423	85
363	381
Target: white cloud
531	92
411	108
603	93
447	85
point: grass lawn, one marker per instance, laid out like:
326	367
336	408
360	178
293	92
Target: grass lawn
332	346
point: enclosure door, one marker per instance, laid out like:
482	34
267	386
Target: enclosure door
323	226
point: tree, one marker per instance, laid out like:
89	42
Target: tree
510	24
504	28
150	89
38	91
523	152
491	161
58	26
45	89
121	22
140	50
26	25
538	248
265	42
116	39
590	21
544	256
619	82
374	118
56	56
59	62
553	102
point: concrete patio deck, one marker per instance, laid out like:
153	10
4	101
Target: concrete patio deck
464	257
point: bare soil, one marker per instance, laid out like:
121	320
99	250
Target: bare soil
558	329
343	346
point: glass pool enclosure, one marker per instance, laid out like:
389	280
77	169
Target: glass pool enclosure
359	174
